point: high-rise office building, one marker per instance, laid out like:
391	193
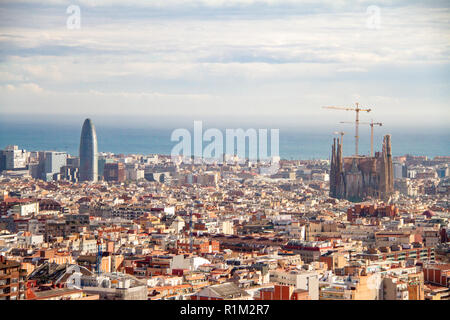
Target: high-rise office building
15	158
2	161
102	161
88	152
53	163
114	172
73	162
398	169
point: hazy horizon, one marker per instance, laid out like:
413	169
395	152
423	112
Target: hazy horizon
328	124
137	135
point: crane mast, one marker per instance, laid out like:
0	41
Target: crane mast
371	124
357	110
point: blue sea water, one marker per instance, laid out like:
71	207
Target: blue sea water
312	143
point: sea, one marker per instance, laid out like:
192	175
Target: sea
127	137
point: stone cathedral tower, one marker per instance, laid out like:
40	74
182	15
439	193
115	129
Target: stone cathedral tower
358	177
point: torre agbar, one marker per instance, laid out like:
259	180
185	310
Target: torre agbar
88	152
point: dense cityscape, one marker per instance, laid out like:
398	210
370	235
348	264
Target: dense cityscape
102	226
224	159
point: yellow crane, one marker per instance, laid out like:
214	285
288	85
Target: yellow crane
357	110
371	124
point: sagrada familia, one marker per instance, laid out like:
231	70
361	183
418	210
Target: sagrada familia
356	178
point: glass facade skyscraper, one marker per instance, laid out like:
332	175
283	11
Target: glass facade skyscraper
88	152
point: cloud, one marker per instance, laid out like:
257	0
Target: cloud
22	88
197	56
28	97
352	69
233	3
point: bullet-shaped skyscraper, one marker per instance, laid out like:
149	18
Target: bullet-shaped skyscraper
88	152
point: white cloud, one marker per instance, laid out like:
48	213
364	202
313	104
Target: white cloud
291	62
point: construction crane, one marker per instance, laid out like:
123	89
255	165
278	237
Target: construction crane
342	136
357	109
371	124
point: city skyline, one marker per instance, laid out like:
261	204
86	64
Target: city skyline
131	138
243	151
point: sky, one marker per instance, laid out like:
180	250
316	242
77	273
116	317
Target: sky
276	60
